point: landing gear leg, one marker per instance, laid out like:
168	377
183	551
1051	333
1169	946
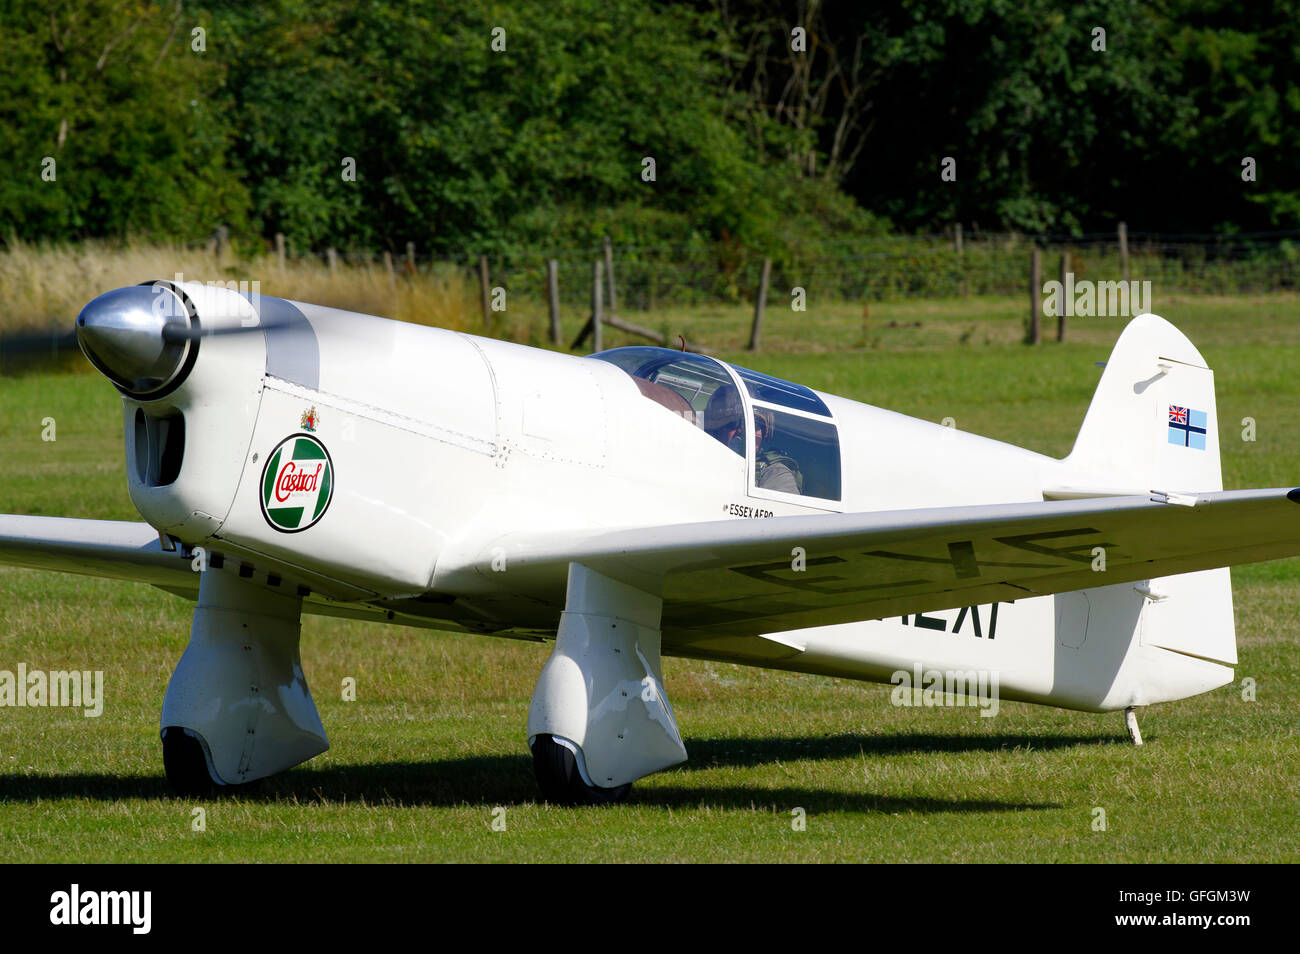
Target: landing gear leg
1131	722
599	718
237	707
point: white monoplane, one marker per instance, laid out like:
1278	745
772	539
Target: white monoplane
289	458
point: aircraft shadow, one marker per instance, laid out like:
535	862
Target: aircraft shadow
713	753
508	780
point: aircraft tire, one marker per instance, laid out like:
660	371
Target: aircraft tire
558	777
187	768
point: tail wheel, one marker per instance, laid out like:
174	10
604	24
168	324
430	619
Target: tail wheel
556	768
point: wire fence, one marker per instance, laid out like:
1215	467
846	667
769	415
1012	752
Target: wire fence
888	268
643	280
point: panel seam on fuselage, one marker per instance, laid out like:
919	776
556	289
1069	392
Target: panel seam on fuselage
399	421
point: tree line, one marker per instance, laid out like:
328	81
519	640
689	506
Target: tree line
470	128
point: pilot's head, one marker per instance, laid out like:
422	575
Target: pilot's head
764	427
724	417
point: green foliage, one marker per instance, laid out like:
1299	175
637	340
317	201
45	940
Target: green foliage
1239	68
1046	129
466	149
1052	133
112	93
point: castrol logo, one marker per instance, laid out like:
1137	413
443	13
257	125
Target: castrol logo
297	484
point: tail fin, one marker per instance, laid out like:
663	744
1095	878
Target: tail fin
1153	425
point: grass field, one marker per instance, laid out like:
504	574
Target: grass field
435	741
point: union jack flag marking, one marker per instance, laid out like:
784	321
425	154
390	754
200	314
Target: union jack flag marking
1187	428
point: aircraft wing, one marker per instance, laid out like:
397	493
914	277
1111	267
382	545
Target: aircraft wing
122	550
114	549
745	577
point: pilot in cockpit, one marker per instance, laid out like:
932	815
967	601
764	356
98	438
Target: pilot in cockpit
773	468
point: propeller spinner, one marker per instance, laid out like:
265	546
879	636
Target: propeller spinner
139	337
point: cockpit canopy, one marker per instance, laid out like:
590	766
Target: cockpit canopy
785	429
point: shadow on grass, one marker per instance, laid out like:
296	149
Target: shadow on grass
821	801
508	780
717	753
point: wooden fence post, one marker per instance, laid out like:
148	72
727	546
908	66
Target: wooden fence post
1123	250
553	297
485	290
410	257
1035	285
388	267
760	303
609	267
1060	319
279	248
963	287
597	308
332	257
220	238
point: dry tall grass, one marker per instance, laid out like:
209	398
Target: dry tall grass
47	285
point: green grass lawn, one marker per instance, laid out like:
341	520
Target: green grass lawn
435	741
